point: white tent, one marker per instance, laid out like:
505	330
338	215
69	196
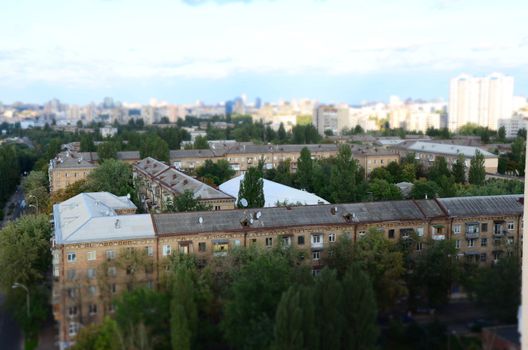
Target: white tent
275	192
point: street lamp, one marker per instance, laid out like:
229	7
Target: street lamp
36	200
20	285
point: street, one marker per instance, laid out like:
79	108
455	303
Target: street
10	336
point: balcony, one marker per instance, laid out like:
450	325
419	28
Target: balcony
472	235
500	233
438	237
317	241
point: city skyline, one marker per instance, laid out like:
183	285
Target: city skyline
333	51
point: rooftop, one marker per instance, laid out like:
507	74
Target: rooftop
447	149
91	217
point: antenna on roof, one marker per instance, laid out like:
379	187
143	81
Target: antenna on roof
200	220
117	224
128	195
244	202
258	214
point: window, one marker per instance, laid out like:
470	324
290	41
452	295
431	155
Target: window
484	227
510	240
149	268
217	207
201	247
149	284
253	241
110	255
457	244
112	271
71	293
90	255
269	241
362	233
149	250
316	272
73	328
457	229
300	240
420	231
391	234
111	308
419	246
72	257
316	255
71	274
510	226
113	288
72	311
483	257
483	242
470	243
166	250
92	290
92	309
316	239
286	241
331	237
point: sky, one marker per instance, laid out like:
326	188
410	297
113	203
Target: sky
213	50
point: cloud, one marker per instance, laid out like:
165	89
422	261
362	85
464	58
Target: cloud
219	2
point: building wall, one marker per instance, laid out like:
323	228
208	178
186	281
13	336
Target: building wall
60	178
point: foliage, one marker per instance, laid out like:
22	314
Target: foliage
35	187
344	177
186	202
501	134
477	172
112	176
289	321
216	172
328	303
9	172
108	150
305	170
382	190
184	312
200	142
87	143
459	169
438	169
155	147
104	336
252	188
424	189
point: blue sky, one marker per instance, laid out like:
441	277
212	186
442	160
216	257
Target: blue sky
180	51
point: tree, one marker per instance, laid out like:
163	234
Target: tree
459	169
253	295
281	133
252	188
424	189
184	312
383	262
200	142
155	147
87	143
344	176
518	154
408	172
447	186
107	150
522	133
360	312
395	170
25	259
104	336
382	173
328	303
186	202
216	173
501	134
35	187
477	172
289	322
438	169
112	176
305	170
382	190
340	256
435	271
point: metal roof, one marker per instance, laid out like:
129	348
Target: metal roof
447	149
483	205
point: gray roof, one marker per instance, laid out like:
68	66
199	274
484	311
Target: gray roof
150	166
430	208
447	149
483	205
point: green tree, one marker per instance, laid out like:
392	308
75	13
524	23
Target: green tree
459	169
289	322
281	133
107	150
477	172
382	173
395	170
305	170
252	188
382	190
340	255
186	202
501	134
424	189
112	176
200	142
329	303
360	311
184	312
155	147
447	186
344	176
35	187
216	173
438	169
87	143
518	154
104	336
408	172
383	262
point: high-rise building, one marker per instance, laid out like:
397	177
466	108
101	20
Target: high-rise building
480	100
333	118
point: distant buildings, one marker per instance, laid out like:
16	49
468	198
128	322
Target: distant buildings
480	100
108	131
332	118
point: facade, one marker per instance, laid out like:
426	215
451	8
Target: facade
513	125
480	100
159	184
426	152
95	243
333	118
108	131
242	156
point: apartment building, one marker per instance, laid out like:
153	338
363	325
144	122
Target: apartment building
426	153
332	118
159	184
94	244
242	156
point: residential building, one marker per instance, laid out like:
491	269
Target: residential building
108	131
480	100
513	125
93	240
159	185
332	118
426	153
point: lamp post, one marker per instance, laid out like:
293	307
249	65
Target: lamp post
20	285
36	200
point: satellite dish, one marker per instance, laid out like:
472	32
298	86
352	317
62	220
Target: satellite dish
244	202
200	220
258	215
128	195
251	221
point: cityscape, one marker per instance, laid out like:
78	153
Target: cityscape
254	174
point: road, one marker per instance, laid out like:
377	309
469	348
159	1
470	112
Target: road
10	336
15	199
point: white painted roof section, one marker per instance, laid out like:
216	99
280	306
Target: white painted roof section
442	148
91	217
274	192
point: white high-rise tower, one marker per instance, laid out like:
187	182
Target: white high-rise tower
480	100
